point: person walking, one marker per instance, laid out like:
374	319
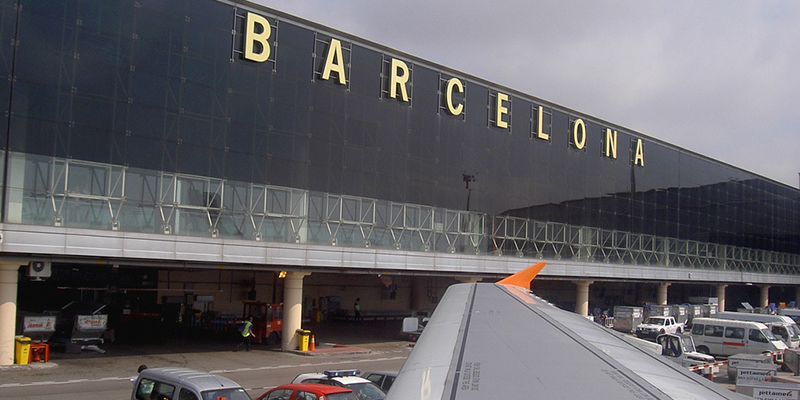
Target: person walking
247	334
357	310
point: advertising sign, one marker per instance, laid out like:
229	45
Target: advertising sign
753	374
774	394
39	324
92	322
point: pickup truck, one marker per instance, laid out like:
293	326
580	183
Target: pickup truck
680	348
657	325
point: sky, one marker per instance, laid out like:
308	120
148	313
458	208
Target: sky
719	78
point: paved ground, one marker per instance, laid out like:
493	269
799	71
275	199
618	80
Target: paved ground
215	353
186	346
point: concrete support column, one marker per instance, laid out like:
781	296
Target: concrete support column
721	295
8	311
292	308
797	296
662	293
418	298
582	297
764	296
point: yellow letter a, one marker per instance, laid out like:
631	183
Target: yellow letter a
334	62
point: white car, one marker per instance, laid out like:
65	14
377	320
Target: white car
362	388
657	325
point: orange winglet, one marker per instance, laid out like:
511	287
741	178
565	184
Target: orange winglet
523	278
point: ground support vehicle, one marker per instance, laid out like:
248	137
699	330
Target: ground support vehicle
303	391
213	321
681	349
80	326
792	313
782	326
626	318
363	389
657	325
412	327
184	384
725	337
267	320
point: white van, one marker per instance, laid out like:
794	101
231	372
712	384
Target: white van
792	313
726	337
783	327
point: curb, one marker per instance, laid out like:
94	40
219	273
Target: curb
328	349
28	367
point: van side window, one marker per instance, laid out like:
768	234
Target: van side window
697	329
714	330
756	336
734	333
186	395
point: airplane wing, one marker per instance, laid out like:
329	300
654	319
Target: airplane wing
498	341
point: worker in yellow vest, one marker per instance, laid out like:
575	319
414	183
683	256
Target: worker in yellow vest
247	333
357	310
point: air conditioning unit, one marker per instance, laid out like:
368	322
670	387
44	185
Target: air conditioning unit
39	269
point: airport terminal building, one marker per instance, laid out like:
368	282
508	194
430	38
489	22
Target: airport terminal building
212	143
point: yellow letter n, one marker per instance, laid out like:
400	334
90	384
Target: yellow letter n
611	143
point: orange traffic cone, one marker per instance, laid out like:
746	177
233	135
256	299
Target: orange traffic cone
313	345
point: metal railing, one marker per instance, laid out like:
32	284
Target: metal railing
72	193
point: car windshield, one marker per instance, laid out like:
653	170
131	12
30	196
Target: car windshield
688	344
656	321
769	334
226	394
367	391
794	331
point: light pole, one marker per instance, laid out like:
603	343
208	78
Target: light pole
467	180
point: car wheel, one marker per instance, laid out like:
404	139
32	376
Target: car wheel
272	338
703	349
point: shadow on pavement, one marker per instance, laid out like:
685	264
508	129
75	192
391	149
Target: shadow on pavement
189	340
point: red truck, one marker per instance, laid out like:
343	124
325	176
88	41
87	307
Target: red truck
267	320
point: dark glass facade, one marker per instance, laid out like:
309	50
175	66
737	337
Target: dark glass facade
163	85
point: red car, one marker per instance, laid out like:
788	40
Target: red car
308	391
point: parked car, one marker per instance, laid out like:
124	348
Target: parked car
383	379
657	325
308	391
362	388
185	384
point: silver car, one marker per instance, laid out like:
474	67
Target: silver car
184	384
